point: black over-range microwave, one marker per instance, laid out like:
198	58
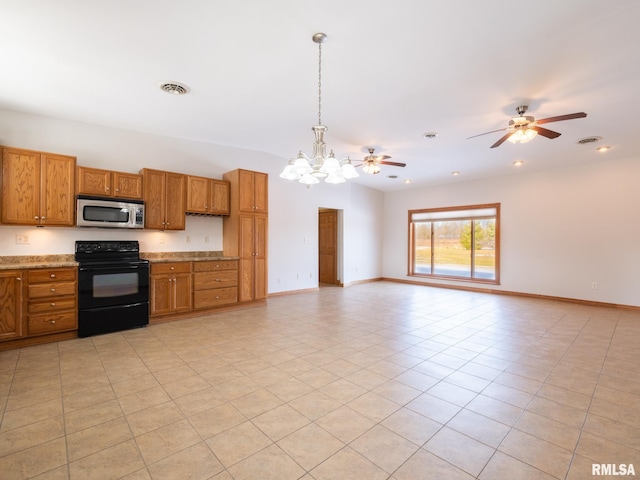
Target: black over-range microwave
109	212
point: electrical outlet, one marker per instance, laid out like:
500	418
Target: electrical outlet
161	239
22	239
594	285
188	239
206	239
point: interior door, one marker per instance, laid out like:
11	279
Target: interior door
327	246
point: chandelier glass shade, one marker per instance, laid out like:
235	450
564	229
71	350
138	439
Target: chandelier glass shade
309	170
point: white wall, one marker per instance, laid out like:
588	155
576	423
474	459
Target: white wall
293	209
561	230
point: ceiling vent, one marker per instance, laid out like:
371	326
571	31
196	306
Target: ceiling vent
174	88
588	140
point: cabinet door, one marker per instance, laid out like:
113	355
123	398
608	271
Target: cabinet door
160	294
260	192
245	191
10	304
182	292
260	257
197	194
57	198
219	197
154	197
127	185
20	187
246	253
175	201
93	181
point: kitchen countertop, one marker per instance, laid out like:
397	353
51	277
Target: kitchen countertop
37	261
55	261
158	257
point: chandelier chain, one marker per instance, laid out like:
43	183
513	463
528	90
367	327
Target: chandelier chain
319	83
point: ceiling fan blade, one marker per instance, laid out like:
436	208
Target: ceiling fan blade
486	133
545	132
502	140
394	164
569	116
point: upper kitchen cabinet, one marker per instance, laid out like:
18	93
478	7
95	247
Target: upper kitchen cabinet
107	183
207	196
165	199
252	190
38	188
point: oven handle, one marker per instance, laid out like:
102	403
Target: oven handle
113	267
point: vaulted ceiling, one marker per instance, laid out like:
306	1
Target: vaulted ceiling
392	71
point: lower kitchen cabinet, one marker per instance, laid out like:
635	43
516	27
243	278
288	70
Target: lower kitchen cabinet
52	300
11	304
215	283
36	303
170	288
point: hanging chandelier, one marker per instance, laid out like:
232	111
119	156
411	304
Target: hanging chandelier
309	170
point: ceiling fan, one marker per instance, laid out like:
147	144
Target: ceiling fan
523	128
371	163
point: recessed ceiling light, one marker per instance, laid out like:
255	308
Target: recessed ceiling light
603	148
174	88
589	140
456	173
518	163
408	180
430	135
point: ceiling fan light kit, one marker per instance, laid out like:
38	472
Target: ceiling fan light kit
309	170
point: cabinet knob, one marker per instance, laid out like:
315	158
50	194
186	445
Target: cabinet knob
117	189
19	279
53	275
173	268
36	217
52	322
53	304
53	289
217	297
217	279
106	189
217	265
42	218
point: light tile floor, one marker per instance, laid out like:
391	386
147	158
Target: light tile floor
375	381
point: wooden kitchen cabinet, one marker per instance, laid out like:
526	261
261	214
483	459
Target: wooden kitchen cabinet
215	283
38	188
170	288
245	232
11	304
252	191
52	300
165	199
108	183
207	196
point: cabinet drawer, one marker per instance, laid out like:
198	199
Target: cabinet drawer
52	323
208	280
215	297
215	266
52	275
53	289
52	305
170	267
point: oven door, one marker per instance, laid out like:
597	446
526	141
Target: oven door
103	285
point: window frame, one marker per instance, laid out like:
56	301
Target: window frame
454	217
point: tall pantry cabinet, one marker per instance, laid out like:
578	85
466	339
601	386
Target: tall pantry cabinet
245	231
